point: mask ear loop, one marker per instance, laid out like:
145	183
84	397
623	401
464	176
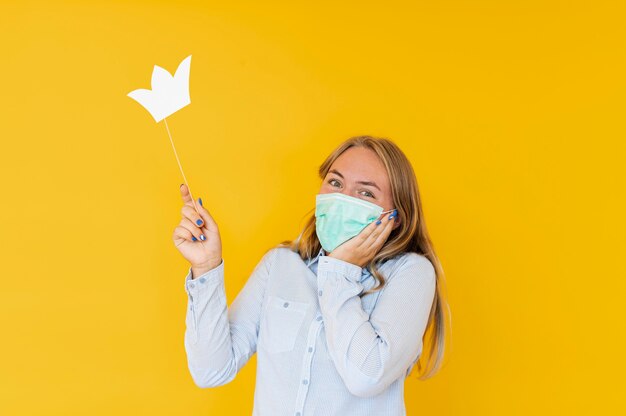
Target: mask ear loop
384	212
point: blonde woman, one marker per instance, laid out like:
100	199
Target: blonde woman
340	316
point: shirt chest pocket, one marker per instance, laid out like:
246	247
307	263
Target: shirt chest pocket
281	323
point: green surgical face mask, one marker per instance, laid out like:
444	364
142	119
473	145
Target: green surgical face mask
339	217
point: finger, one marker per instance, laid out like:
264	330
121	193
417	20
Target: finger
209	222
193	229
185	195
207	217
183	233
202	214
384	233
365	233
190	213
371	232
380	228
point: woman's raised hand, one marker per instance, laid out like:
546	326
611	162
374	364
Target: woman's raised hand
205	252
362	248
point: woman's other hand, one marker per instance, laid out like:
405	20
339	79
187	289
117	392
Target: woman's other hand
362	248
197	236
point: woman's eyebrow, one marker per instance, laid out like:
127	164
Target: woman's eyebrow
335	171
369	183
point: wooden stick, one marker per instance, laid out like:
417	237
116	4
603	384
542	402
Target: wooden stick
180	167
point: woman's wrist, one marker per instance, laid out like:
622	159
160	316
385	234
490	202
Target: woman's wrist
199	270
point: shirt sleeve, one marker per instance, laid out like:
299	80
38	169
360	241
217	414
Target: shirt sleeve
220	340
371	352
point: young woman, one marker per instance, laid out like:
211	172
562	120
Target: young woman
340	316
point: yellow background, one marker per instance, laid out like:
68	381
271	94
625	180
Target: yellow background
511	112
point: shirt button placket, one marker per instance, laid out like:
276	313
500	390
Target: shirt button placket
306	370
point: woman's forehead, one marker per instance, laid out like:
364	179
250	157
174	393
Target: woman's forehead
360	163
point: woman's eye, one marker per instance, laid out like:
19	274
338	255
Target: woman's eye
335	183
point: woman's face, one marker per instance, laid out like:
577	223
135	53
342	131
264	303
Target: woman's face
358	172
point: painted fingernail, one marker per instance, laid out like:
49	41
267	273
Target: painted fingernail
378	222
391	216
199	222
200	201
194	238
202	237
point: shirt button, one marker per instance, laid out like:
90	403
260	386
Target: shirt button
319	318
191	285
305	382
202	280
310	349
286	304
319	293
297	413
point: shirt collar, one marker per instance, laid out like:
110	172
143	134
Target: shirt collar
364	271
316	258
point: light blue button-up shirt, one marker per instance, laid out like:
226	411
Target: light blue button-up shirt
321	349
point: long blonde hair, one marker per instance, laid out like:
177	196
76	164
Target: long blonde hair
410	236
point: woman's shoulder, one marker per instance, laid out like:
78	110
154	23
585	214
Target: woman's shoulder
411	257
416	262
280	252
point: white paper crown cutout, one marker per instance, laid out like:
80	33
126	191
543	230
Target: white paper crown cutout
169	93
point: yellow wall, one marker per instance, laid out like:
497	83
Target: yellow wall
511	112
